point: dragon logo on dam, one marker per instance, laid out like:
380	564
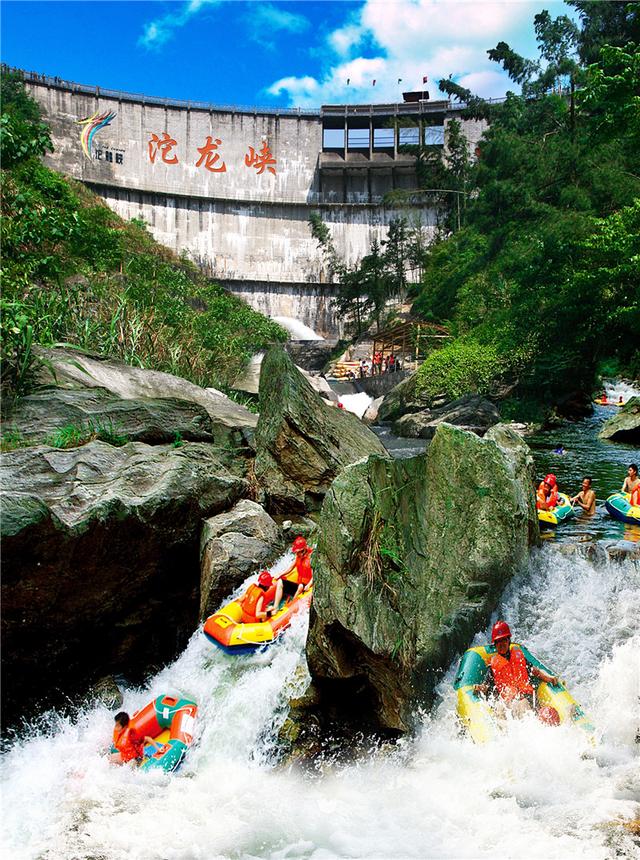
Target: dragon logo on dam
92	125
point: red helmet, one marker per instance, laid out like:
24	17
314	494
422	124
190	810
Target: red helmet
549	715
298	544
265	579
551	480
500	630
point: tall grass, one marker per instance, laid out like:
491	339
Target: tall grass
75	273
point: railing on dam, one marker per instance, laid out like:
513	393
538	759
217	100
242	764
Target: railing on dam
187	104
120	95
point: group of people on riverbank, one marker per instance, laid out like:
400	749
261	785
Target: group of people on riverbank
379	364
585	498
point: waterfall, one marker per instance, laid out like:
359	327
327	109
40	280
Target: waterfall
538	792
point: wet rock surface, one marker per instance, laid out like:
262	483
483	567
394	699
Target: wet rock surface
101	559
301	443
625	424
412	557
472	412
232	546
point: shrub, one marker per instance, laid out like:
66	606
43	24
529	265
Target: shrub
461	367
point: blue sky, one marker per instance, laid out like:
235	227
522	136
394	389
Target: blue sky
269	53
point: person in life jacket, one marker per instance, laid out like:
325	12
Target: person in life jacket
508	673
299	576
128	743
547	495
258	602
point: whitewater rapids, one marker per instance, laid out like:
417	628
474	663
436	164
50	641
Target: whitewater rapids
540	792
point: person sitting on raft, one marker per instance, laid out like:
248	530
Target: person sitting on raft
258	602
586	498
632	484
508	673
129	745
547	495
299	576
603	397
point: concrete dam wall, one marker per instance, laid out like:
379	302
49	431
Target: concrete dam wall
234	189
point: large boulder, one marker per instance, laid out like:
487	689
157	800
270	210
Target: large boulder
402	399
249	379
301	443
38	416
471	412
100	569
625	425
412	557
67	368
232	545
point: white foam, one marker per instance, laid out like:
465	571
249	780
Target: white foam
356	403
537	792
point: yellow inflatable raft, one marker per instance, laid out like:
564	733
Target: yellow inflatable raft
476	712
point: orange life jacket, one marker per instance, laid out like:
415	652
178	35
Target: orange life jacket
302	573
128	744
305	574
635	496
511	676
250	601
550	500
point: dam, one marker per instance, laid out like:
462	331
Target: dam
233	188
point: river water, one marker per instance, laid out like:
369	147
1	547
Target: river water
539	792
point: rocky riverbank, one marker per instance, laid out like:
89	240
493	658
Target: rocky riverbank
170	495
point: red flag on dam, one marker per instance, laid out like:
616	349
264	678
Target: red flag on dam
425	78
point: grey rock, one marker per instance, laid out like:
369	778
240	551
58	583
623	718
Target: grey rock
412	557
625	424
107	692
301	443
100	559
232	546
74	369
371	412
471	412
36	417
401	400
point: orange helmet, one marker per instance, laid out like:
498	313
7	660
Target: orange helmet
265	579
298	544
501	630
551	480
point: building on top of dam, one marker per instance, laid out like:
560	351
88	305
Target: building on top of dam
234	188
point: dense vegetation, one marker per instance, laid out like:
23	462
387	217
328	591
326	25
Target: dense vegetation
536	267
75	273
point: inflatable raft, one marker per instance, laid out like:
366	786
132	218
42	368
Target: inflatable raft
225	628
620	508
555	516
169	721
476	712
602	402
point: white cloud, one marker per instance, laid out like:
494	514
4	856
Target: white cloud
436	38
265	20
346	38
303	86
156	33
489	85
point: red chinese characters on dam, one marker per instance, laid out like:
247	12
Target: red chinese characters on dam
260	160
210	159
164	145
